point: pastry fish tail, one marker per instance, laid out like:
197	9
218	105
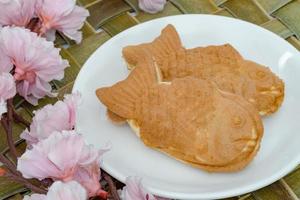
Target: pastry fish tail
123	97
167	43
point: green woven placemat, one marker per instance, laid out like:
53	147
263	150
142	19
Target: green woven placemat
109	17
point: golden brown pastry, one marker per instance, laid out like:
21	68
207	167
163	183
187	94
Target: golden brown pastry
188	118
222	64
115	118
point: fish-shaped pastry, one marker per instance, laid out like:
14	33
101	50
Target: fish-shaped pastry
222	64
189	119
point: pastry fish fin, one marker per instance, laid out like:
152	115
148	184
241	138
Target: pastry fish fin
122	97
168	42
228	51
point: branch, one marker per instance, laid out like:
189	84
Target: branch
9	139
112	187
10	166
8	129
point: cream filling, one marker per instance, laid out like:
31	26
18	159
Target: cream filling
134	126
275	92
262	113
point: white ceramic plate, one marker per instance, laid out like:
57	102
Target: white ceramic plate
162	175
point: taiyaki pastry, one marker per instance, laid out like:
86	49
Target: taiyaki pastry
222	64
188	118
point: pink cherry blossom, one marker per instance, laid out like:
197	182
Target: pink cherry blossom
54	157
16	12
36	61
7	90
5	63
88	174
58	117
134	190
66	191
72	101
62	191
63	156
64	16
152	6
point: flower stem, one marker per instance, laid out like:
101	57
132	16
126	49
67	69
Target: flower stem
47	182
19	119
112	186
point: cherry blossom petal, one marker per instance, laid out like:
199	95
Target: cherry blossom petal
54	157
58	117
89	178
7	86
35	164
152	6
35	197
72	101
66	191
88	172
64	156
61	191
26	135
134	190
16	12
7	90
64	16
3	108
5	62
36	61
90	155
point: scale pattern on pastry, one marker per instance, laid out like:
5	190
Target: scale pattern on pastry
188	118
222	64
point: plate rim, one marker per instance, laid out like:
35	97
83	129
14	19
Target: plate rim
181	195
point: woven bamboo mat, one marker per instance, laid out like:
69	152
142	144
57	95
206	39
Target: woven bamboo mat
109	17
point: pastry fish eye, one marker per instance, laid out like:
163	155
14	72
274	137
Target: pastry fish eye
260	74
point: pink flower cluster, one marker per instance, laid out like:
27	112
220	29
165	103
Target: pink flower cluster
51	133
47	16
64	156
33	61
58	117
